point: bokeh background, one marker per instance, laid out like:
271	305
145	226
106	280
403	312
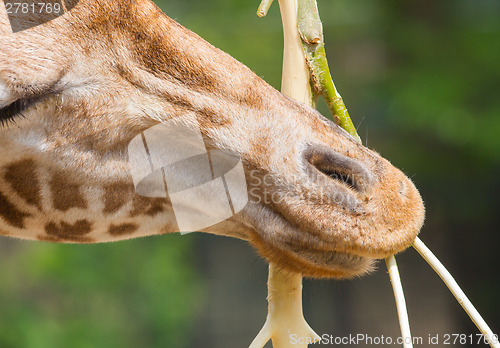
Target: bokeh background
422	81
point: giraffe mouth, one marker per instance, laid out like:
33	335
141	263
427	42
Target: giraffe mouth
314	263
379	213
307	260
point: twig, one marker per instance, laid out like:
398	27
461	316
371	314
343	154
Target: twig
457	292
295	77
311	32
264	7
399	296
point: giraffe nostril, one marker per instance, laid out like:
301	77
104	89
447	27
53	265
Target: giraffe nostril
346	171
346	179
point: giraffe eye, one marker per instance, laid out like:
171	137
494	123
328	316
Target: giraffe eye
9	113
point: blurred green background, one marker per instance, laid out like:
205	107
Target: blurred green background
422	82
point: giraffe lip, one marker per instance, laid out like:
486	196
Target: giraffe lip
314	263
339	262
302	257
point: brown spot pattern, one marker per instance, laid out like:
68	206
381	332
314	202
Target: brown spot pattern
116	196
65	232
10	213
147	206
123	229
66	194
22	178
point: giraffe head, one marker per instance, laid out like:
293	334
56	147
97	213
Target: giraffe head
76	89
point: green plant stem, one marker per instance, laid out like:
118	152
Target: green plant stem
311	32
264	7
320	75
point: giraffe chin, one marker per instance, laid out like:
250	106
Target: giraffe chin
315	263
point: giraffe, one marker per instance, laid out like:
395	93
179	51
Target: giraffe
75	89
